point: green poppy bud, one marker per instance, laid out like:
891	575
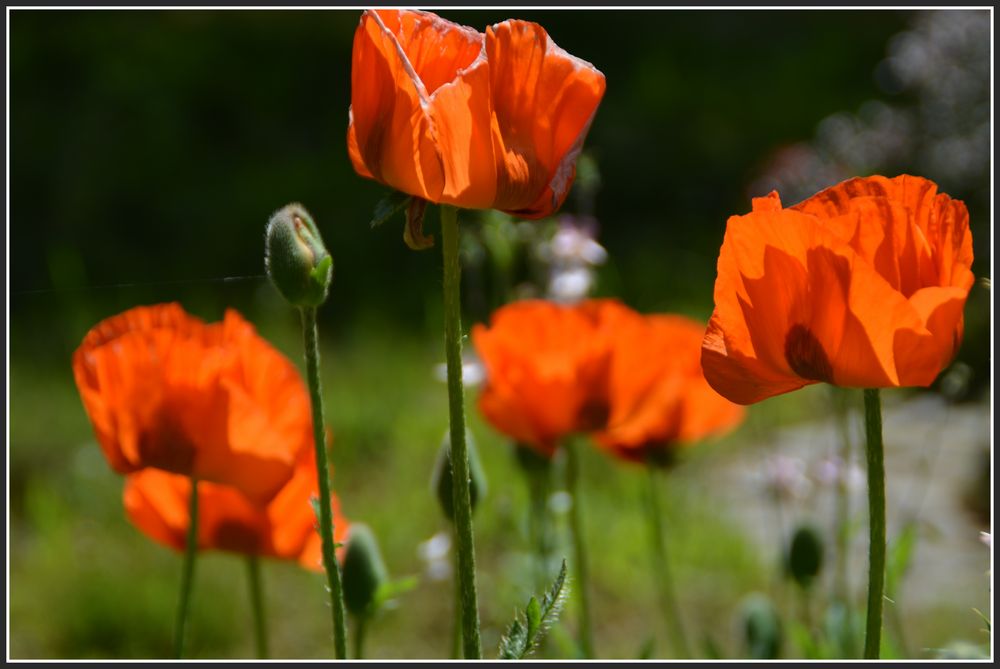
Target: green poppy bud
441	478
364	570
296	259
761	627
805	555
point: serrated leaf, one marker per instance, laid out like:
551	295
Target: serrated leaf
387	207
534	615
525	632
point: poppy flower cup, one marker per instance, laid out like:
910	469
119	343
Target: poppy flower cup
658	397
862	285
546	369
215	402
478	121
157	502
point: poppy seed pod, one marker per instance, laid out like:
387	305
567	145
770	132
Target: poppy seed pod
805	555
296	259
364	570
441	478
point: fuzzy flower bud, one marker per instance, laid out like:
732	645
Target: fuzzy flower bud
296	259
441	479
364	570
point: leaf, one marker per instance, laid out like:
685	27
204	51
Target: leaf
898	559
647	649
388	206
525	632
390	590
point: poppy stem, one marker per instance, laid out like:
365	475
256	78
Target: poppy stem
461	495
323	474
257	604
842	525
187	571
668	600
876	522
456	628
579	547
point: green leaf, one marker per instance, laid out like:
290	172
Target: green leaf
525	632
534	615
898	559
387	207
392	589
647	649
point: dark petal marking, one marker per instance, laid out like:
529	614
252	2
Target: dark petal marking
806	356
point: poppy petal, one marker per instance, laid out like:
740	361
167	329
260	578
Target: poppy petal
544	101
393	133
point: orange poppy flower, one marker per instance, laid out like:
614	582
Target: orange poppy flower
450	115
862	285
157	502
165	390
546	369
658	396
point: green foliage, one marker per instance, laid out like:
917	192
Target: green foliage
526	631
898	558
762	627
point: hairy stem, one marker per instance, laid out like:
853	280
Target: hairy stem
668	601
323	474
876	522
579	547
461	499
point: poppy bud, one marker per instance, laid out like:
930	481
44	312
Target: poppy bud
761	627
296	259
441	478
364	570
805	555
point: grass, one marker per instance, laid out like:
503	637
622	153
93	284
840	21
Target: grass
85	583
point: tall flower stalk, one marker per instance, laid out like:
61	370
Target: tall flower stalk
187	572
462	503
301	268
257	606
876	522
580	562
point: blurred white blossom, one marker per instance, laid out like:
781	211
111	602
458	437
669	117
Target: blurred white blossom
434	553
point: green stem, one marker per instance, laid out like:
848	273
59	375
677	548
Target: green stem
257	604
579	548
187	572
323	475
537	471
456	628
671	611
842	528
876	522
461	499
360	627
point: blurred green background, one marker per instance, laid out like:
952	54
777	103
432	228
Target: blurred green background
147	151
